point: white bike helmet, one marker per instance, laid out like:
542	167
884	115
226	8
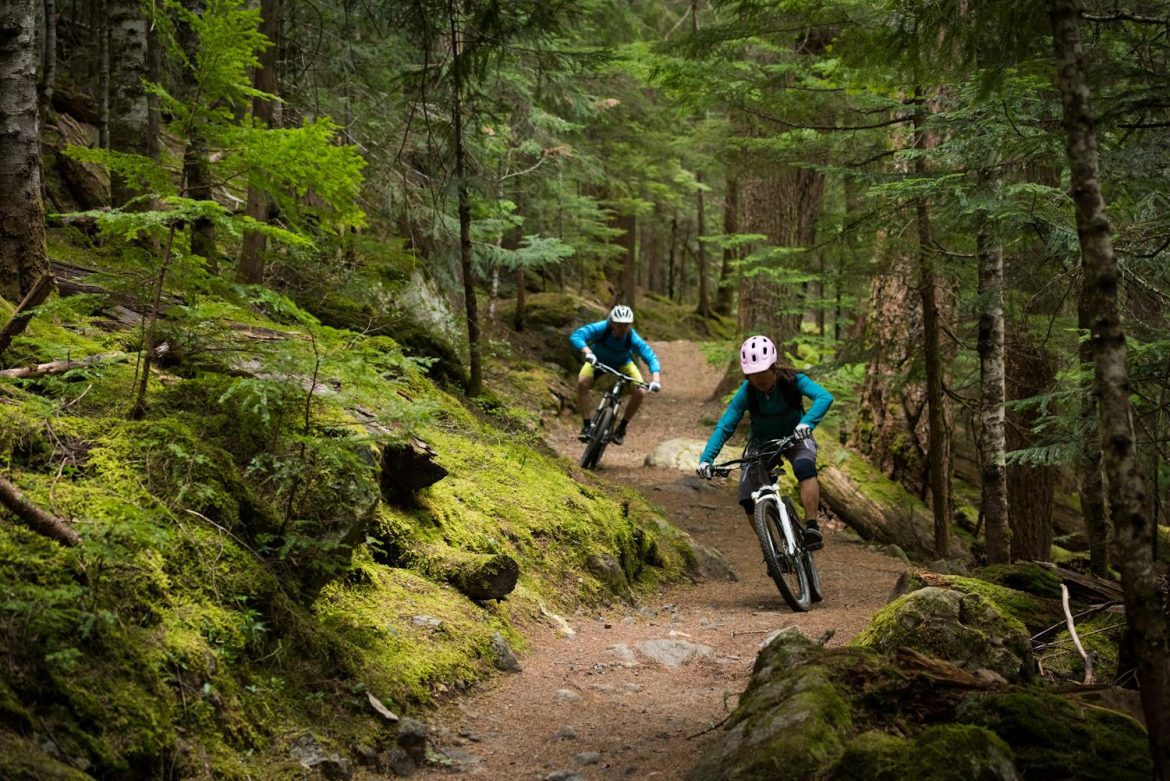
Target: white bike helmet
621	314
757	354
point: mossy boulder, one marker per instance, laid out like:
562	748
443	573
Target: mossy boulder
1052	737
966	629
791	722
1034	611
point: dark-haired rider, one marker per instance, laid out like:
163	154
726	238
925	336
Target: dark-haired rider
773	396
613	341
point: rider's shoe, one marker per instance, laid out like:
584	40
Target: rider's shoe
586	430
619	434
812	536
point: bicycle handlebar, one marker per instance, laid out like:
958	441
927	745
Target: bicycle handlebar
622	375
764	452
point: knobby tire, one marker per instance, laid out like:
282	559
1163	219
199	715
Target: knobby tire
787	572
810	564
598	439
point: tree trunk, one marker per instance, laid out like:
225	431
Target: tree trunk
102	28
627	286
48	56
724	296
22	215
992	445
267	80
1090	484
1149	631
938	457
129	113
891	429
1030	372
475	372
196	165
704	307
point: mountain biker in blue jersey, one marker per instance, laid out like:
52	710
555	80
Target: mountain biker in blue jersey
613	342
773	396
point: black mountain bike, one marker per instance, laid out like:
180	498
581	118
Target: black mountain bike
790	565
606	416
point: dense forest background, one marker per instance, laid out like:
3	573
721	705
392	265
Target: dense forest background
959	209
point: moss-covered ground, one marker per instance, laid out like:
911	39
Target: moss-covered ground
241	581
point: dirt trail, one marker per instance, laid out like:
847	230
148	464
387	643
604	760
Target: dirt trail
596	706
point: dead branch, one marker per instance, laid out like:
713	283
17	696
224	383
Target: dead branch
35	518
23	314
1072	631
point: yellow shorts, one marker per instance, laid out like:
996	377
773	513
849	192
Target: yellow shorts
630	370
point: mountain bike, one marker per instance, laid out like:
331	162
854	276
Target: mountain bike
790	565
606	416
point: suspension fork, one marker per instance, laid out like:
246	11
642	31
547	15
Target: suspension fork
771	493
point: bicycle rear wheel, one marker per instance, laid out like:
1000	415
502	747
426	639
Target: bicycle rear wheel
598	439
810	564
787	572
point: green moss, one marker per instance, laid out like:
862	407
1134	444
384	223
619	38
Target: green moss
959	752
966	629
1023	576
22	760
1100	634
1036	612
1054	738
872	756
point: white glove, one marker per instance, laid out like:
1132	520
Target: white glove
802	431
705	470
591	359
655	387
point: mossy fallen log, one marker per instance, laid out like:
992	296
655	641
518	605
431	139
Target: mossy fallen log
873	517
479	576
408	467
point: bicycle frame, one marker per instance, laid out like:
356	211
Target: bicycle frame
790	565
606	414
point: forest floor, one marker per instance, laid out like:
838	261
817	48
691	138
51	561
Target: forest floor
638	690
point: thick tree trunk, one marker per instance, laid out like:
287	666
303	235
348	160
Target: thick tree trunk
627	282
992	445
1032	487
891	428
938	456
725	295
267	80
22	216
129	114
1149	631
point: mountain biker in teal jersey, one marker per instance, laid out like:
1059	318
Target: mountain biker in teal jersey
613	341
773	396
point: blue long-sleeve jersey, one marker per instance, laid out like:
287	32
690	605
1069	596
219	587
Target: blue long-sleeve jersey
776	417
611	350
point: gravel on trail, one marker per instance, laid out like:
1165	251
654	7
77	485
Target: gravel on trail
639	690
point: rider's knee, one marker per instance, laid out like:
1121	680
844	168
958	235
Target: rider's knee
584	383
804	469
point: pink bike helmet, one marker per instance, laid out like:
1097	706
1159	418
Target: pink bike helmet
757	354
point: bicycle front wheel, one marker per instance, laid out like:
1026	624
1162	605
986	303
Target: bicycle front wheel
787	572
810	564
598	439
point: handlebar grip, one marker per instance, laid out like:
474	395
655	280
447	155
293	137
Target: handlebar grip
722	471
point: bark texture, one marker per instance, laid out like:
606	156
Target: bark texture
129	114
22	218
1149	631
1031	371
992	444
266	79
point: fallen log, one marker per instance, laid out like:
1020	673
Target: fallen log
34	517
59	367
907	525
407	468
479	576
